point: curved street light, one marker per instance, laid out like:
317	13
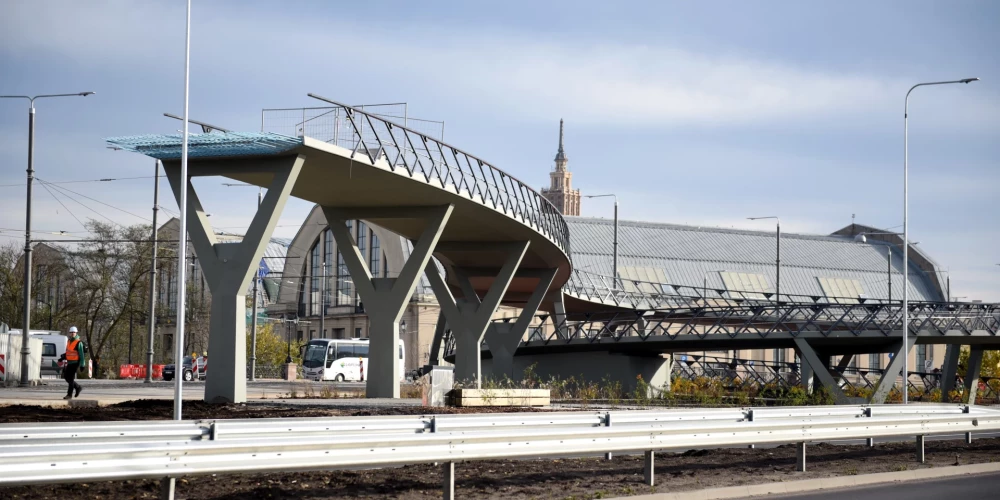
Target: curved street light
906	204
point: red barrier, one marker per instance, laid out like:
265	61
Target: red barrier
124	371
158	372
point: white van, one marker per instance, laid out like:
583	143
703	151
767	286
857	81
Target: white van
53	346
340	359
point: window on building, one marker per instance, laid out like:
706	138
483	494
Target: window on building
314	279
840	290
745	285
330	273
338	333
357	333
921	358
312	334
875	361
643	279
374	263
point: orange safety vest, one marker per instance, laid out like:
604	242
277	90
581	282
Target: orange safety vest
71	352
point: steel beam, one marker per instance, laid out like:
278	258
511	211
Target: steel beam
385	299
648	464
229	267
470	316
503	338
888	378
949	371
807	354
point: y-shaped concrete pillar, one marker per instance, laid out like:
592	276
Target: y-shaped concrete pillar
949	371
385	299
503	338
470	316
972	373
820	370
888	378
228	267
437	344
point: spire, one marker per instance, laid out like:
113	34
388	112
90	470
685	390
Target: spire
561	155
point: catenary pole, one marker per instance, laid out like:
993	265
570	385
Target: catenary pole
151	318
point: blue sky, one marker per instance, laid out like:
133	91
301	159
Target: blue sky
692	112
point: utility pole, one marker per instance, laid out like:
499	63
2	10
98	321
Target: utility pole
253	320
151	318
322	301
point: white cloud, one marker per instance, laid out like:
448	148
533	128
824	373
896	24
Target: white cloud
524	76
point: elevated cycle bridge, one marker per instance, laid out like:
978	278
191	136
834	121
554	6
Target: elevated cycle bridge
499	240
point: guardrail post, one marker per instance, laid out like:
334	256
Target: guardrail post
167	487
920	449
800	456
607	423
448	476
870	442
968	438
647	467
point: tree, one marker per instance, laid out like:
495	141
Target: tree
990	366
272	345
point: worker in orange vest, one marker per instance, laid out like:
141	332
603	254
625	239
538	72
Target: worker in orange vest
74	361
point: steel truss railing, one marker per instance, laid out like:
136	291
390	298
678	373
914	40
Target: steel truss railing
420	155
764	320
741	373
75	453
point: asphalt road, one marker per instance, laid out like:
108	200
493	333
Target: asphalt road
963	487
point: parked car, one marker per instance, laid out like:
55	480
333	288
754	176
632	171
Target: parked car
170	371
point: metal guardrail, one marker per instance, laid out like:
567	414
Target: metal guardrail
54	453
419	154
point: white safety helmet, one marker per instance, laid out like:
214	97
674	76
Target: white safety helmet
72	329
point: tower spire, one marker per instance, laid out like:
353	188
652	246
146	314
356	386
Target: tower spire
561	154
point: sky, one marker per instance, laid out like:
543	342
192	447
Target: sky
700	113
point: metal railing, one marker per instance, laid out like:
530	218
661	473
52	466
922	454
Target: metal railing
64	453
421	155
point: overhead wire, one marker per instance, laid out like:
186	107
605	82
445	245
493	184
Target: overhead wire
61	203
90	180
97	201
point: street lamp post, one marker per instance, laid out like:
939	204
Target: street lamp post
777	257
906	205
614	263
26	327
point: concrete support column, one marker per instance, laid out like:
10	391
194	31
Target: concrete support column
437	344
972	373
229	267
888	378
648	464
920	449
808	355
807	375
503	338
559	315
800	456
470	315
385	299
949	371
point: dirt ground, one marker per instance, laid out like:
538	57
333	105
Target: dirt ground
583	478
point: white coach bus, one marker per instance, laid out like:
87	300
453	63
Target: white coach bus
340	359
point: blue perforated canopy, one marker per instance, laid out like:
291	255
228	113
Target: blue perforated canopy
168	147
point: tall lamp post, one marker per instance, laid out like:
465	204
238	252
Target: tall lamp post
861	237
614	263
777	257
906	206
26	327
